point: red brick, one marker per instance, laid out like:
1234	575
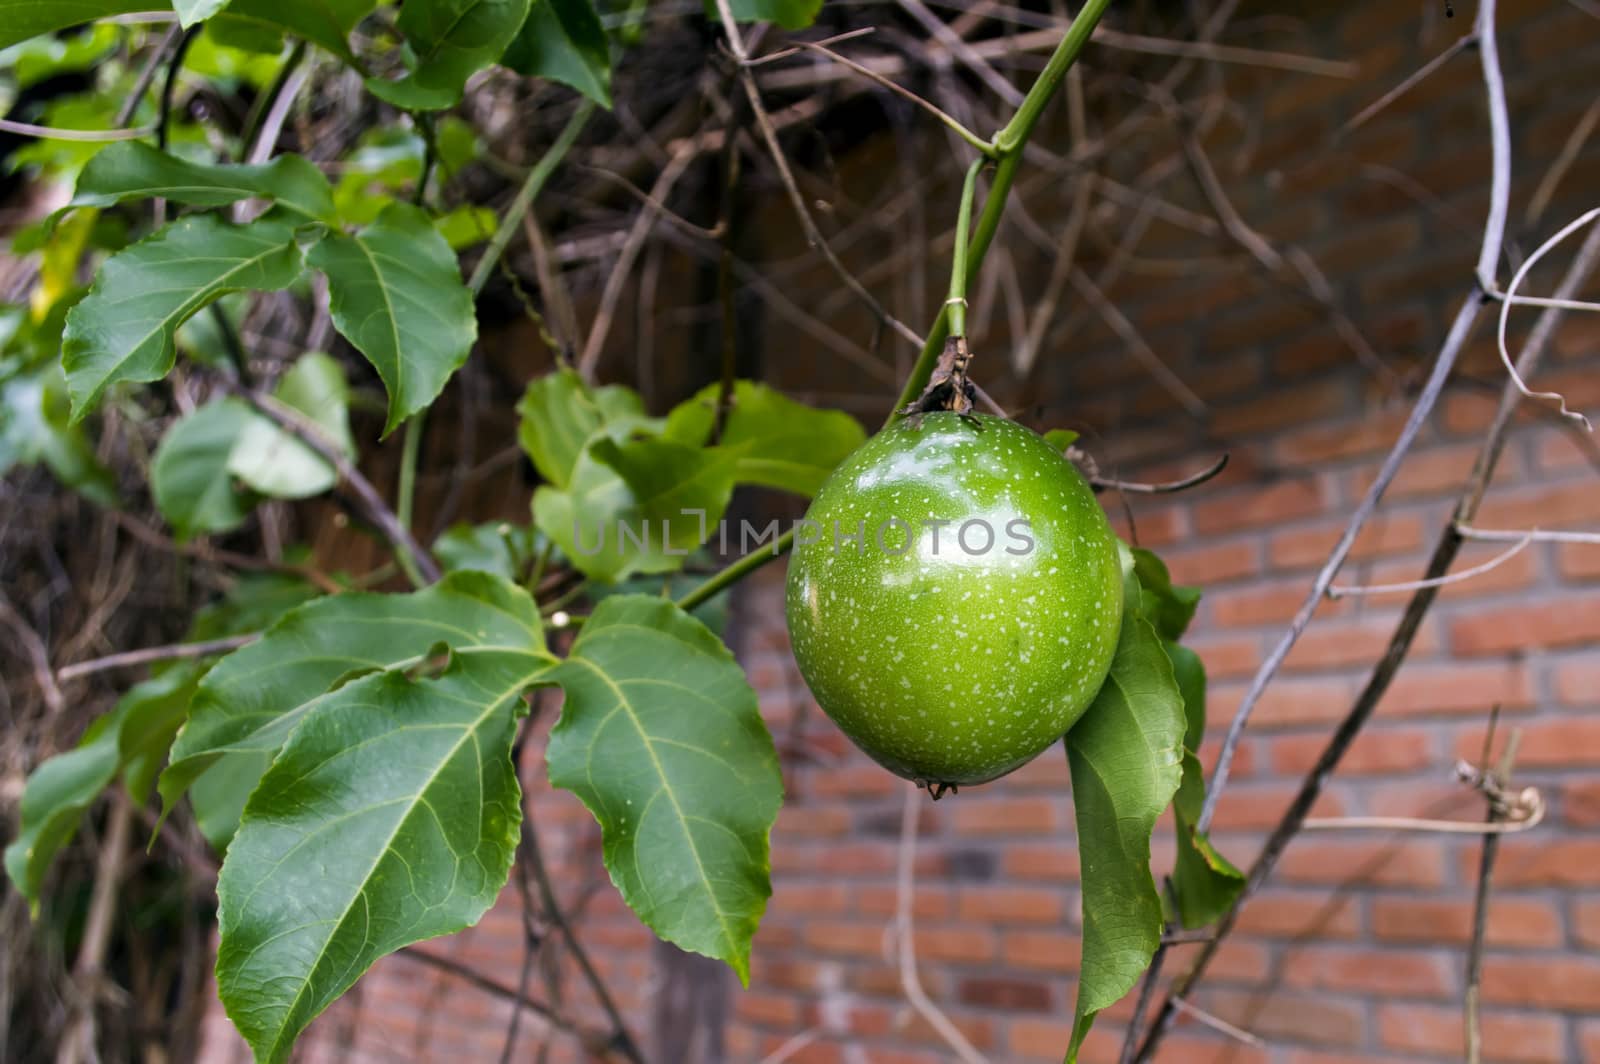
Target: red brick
1544	743
1284	501
976	815
929	901
1586	922
1216	564
965	945
1277	1016
1262	806
1287	702
1011	905
1227	657
808	898
1511	921
1438	1031
771	1010
1051	861
1460	687
1408	863
1383	536
1552	623
1282	912
1039	1039
1434	472
1000	992
812	819
1409	973
859	939
1321	443
1265	603
1375	752
1282	408
1546	862
1555	506
1579	561
1361	640
1580	802
1153	526
1570	983
1041	950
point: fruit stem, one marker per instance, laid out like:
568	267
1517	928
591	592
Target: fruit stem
956	305
1008	143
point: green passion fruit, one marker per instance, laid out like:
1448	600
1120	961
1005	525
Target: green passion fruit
954	597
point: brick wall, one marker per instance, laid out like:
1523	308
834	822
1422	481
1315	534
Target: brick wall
1354	951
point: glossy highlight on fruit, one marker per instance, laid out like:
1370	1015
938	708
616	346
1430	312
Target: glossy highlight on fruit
954	597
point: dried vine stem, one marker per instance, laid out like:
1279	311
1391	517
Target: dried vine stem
1455	340
905	937
1444	553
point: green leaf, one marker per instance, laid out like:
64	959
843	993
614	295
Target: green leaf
775	441
21	19
451	40
193	12
564	40
1204	882
790	14
560	415
36	426
497	547
1168	606
324	22
1061	439
189	476
627	508
253	699
390	816
54	802
395	292
134	169
124	329
1126	760
274	463
661	737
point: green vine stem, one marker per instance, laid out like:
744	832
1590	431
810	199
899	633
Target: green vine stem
1008	144
509	223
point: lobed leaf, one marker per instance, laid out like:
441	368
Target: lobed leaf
661	738
559	415
395	292
624	511
775	441
1204	883
22	19
323	22
189	475
1126	761
274	463
253	699
133	168
451	40
390	816
124	329
564	40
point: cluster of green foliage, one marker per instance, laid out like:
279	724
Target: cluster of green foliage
353	764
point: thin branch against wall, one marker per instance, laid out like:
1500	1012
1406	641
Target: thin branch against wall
1448	544
1444	363
905	934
